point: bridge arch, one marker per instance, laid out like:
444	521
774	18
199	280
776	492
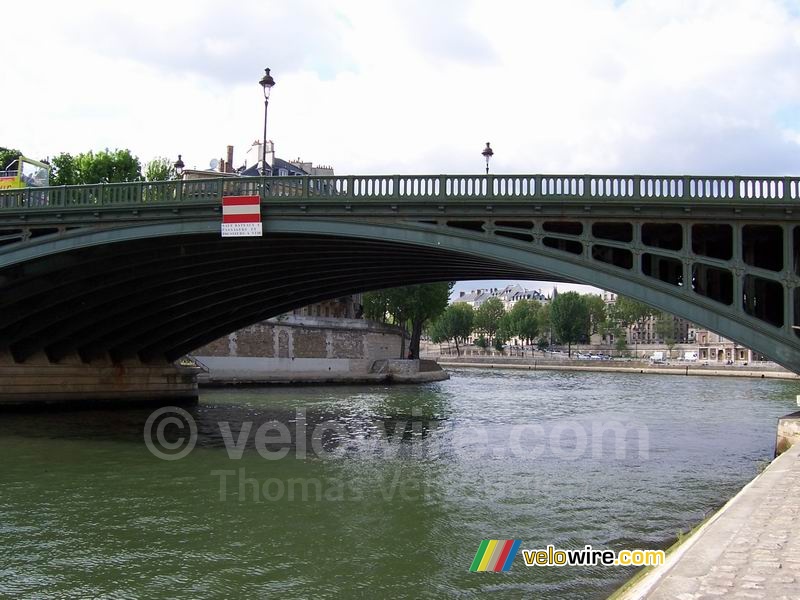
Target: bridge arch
165	289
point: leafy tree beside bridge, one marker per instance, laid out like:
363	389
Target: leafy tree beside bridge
159	169
106	166
8	156
409	307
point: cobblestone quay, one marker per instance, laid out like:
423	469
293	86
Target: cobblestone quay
749	549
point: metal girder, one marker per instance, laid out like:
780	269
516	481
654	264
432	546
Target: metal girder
255	301
74	290
113	295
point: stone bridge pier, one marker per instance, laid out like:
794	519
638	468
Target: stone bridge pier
72	381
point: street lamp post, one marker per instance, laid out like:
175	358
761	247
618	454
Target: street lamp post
266	82
179	167
487	154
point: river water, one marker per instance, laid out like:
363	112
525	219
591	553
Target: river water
374	492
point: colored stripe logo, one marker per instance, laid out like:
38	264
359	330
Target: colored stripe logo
495	555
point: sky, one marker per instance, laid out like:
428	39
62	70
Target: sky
414	86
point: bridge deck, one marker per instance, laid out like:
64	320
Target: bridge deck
403	188
722	252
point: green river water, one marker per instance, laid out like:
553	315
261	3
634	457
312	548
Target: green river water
383	492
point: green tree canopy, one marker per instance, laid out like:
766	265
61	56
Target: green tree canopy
569	315
665	329
376	306
455	323
7	156
524	319
488	315
106	166
545	324
597	312
409	306
65	170
159	169
627	311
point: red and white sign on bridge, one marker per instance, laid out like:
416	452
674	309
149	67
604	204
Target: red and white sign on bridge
241	216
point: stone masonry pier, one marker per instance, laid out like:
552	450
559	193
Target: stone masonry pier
71	381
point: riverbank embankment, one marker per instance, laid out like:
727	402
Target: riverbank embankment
750	548
771	371
221	371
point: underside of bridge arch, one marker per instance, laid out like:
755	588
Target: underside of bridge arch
160	293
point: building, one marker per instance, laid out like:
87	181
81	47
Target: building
712	347
314	171
646	331
509	296
345	307
278	167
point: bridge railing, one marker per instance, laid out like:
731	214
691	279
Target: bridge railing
594	187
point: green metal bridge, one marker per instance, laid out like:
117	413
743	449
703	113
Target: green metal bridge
139	270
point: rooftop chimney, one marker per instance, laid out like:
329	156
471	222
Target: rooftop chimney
229	161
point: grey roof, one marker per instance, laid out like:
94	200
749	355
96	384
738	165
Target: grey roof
282	164
255	170
510	293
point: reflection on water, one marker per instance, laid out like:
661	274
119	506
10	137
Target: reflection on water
375	491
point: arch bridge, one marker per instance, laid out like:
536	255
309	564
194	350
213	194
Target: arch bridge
113	273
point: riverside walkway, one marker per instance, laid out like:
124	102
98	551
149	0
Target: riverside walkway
749	549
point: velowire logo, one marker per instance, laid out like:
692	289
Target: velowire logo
495	555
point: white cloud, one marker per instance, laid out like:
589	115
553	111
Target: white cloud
585	86
370	87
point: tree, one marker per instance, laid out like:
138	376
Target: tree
455	323
376	306
621	344
416	305
8	156
524	319
665	330
505	330
65	170
545	325
159	169
570	318
488	315
410	306
106	166
627	312
597	312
